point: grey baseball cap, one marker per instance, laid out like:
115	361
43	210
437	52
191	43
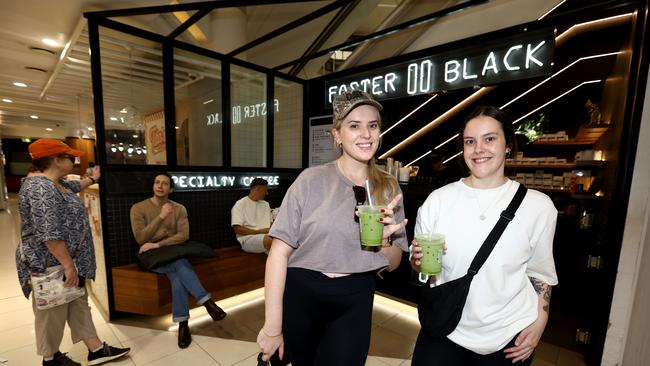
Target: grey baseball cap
346	102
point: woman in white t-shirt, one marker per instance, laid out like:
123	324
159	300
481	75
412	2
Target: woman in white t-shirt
508	301
319	283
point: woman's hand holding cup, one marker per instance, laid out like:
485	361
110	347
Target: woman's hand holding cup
390	226
435	247
416	255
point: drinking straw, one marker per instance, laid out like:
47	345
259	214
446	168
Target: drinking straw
368	193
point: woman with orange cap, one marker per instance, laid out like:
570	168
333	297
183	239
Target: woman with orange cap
55	231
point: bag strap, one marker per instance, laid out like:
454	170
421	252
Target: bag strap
491	241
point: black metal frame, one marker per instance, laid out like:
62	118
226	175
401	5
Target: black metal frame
169	42
384	32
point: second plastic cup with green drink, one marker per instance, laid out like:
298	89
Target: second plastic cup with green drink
371	230
432	249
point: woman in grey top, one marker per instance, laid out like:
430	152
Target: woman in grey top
319	283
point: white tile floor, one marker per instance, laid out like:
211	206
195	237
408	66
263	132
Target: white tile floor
229	342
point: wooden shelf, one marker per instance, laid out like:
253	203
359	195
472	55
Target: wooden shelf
585	136
537	165
577	195
579	163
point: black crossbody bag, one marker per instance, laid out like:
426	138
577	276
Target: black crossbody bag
441	307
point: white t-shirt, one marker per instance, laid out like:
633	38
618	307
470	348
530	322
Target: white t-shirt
252	214
501	300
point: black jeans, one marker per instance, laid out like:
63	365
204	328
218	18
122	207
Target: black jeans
441	351
327	321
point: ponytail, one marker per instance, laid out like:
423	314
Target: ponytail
385	186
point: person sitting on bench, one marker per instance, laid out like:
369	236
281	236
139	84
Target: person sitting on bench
251	218
159	221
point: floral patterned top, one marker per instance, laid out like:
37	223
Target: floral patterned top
47	213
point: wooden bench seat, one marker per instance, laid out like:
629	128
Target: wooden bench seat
232	272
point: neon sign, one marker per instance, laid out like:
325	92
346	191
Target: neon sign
193	181
249	111
517	57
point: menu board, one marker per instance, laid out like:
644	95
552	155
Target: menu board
321	145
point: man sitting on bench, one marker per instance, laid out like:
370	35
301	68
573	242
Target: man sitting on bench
159	221
251	218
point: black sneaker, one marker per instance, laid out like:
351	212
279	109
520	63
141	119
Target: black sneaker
107	353
60	359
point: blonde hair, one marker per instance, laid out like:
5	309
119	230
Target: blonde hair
384	186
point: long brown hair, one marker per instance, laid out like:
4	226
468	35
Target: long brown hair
384	185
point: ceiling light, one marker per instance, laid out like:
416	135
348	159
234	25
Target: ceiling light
194	30
33	116
421	156
90	128
7	100
438	120
123	110
113	118
177	127
19	84
340	55
551	10
135	136
446	161
449	139
50	42
558	73
208	101
408	115
554	99
48	129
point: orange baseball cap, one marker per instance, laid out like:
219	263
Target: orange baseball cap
45	147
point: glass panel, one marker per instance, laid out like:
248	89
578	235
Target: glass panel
248	118
287	124
199	117
133	99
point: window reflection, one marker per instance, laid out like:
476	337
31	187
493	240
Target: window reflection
248	117
199	116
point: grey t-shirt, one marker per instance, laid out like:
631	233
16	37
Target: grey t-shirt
317	219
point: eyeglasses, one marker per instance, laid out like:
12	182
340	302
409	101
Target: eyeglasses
73	159
360	196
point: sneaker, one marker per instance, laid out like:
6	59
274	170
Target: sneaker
107	353
60	359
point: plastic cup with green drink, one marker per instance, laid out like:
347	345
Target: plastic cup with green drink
432	248
370	229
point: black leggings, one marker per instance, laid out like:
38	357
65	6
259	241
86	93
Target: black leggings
327	321
441	351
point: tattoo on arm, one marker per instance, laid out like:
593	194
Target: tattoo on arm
544	289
